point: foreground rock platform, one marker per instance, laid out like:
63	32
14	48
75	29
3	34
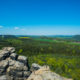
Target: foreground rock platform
15	67
44	73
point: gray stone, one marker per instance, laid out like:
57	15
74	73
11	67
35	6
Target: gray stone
3	64
10	49
4	54
35	67
13	56
3	77
3	67
44	73
17	66
19	78
25	68
26	73
22	59
11	62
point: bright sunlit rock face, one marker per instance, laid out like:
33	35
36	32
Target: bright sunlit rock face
44	73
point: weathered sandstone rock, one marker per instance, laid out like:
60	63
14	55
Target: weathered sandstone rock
35	67
16	67
22	59
3	67
44	73
13	56
3	77
4	54
10	49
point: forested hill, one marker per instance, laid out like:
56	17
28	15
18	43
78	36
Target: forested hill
7	36
76	37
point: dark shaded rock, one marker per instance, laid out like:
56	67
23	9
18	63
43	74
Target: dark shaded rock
11	62
17	69
13	56
26	73
23	59
10	49
35	67
4	54
3	67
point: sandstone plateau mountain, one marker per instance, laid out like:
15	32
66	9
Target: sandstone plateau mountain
16	67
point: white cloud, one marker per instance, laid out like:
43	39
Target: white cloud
16	28
1	26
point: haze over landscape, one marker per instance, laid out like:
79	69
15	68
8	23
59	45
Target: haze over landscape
40	17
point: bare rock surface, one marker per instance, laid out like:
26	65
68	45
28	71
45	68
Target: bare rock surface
3	67
13	56
10	49
15	67
3	77
4	54
35	67
44	73
22	59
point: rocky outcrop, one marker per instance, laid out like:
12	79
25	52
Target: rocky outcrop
35	67
15	67
44	73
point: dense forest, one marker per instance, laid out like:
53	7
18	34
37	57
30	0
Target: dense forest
61	53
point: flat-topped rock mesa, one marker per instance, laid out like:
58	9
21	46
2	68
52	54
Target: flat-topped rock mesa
16	67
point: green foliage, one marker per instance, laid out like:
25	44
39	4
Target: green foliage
63	56
20	51
65	66
14	41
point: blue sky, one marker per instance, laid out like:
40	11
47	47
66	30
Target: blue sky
40	17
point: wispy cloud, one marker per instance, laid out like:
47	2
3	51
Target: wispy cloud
1	26
16	28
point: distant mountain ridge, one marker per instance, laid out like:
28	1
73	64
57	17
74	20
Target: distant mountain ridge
75	37
8	36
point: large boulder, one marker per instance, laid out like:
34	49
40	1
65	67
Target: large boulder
44	73
13	56
3	77
22	59
18	70
3	67
35	67
17	66
4	54
10	49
